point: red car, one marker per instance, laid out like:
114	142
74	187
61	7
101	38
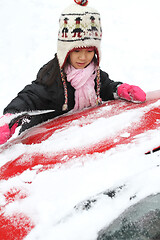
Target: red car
79	171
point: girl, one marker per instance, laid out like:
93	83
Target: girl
72	79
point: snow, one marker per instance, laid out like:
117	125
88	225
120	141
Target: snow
131	54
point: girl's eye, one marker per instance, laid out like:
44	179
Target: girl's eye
90	49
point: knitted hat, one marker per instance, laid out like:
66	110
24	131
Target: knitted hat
79	27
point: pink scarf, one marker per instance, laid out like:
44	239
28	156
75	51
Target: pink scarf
83	82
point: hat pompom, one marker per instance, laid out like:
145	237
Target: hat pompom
81	2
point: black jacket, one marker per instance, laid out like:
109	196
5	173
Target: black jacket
38	96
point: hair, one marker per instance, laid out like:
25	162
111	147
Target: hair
49	72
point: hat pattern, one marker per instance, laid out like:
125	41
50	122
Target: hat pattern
75	27
65	28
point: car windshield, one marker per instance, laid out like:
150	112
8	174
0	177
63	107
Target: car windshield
139	222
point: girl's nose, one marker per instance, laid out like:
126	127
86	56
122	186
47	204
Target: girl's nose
82	55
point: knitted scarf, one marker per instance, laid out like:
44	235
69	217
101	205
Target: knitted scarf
83	82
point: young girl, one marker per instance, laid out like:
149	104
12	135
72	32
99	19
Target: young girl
72	79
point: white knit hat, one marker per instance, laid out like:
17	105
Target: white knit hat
79	27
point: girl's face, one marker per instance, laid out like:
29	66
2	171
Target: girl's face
81	58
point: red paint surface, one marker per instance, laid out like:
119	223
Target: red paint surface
14	226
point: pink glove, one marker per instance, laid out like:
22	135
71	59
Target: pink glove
5	131
131	93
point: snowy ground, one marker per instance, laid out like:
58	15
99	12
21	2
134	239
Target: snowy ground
130	53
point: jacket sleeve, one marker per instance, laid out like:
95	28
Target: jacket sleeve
108	87
32	97
37	96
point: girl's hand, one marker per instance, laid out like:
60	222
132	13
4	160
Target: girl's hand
131	93
5	132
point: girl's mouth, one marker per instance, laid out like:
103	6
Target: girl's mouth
80	64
